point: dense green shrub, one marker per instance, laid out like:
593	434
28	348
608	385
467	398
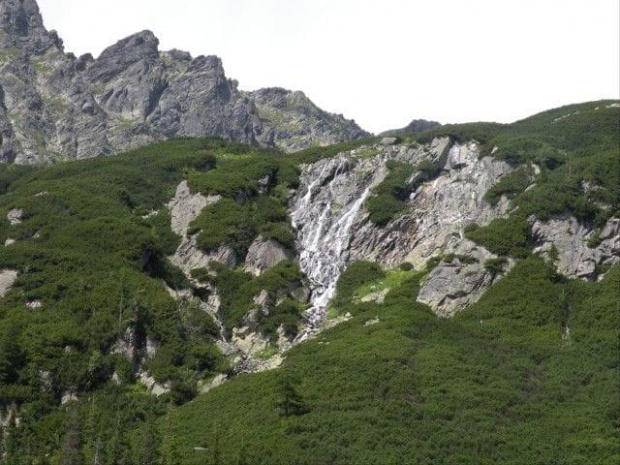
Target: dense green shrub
503	236
255	191
235	177
237	290
389	198
526	149
314	154
406	266
511	185
286	314
496	265
462	133
92	251
499	370
383	208
355	276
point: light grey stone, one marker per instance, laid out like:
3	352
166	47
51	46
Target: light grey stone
265	254
570	239
7	279
15	216
389	141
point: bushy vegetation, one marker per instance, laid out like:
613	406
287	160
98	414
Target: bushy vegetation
404	390
237	290
389	198
255	192
91	256
314	154
577	149
511	185
528	374
355	276
506	237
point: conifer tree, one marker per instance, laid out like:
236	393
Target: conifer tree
71	453
149	453
291	401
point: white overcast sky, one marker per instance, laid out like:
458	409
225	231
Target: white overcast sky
381	62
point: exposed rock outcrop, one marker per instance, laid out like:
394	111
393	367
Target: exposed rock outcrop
295	122
152	385
580	250
247	349
15	216
334	228
184	208
54	105
7	279
265	254
459	280
415	127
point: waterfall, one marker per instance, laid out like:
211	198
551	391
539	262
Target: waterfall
324	214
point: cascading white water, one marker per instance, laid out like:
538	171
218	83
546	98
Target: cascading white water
324	215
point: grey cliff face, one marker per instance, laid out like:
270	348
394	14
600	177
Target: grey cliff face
54	105
577	255
294	121
21	27
416	126
265	254
334	228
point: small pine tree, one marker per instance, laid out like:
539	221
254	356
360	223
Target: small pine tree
71	453
216	460
170	451
118	450
98	459
149	454
242	458
291	402
11	355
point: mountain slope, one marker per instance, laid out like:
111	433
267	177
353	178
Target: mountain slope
497	384
130	284
56	106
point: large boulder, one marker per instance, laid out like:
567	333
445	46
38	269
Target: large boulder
264	254
7	279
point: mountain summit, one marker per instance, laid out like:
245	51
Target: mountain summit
21	27
54	105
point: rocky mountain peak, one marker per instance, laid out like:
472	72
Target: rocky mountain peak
139	46
420	125
416	126
21	26
56	106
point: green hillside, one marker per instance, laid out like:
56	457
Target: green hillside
497	384
501	382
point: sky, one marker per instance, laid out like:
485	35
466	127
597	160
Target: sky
382	63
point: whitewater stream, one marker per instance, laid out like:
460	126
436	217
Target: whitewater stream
325	212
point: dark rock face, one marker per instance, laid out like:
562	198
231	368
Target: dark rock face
420	125
56	106
21	26
415	127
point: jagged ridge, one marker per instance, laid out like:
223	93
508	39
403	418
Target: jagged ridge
56	106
